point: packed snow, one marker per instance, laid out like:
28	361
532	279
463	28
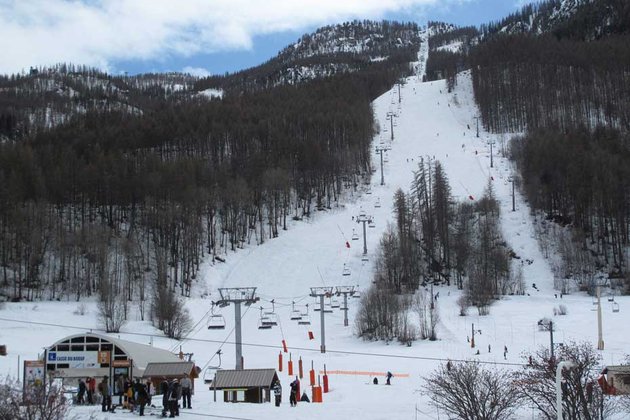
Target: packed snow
430	123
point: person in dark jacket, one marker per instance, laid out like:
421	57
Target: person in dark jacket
81	393
174	394
164	392
293	395
142	397
103	388
389	377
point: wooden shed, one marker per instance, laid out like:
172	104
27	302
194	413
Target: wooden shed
247	385
157	372
615	380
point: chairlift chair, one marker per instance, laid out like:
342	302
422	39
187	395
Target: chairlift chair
594	300
262	325
295	314
215	321
368	190
357	293
264	322
611	298
327	308
346	270
365	258
334	303
355	235
371	224
306	318
615	307
377	205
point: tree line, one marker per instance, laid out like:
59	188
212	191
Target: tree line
110	198
578	178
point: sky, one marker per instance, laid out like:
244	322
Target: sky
200	37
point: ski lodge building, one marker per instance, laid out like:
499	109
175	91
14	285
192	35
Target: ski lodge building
93	355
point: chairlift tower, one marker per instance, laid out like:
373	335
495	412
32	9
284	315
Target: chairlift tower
345	291
390	117
322	292
380	149
364	218
491	143
237	295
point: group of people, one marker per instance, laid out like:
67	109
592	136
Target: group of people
174	390
130	395
87	389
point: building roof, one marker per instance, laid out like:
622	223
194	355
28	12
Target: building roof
141	354
168	370
247	378
619	369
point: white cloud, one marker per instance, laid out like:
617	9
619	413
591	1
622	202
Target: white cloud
196	71
98	32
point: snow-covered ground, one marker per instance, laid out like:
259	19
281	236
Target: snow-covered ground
430	123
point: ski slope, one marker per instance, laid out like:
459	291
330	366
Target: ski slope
431	124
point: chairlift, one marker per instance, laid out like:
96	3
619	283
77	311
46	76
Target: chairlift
615	307
386	159
327	308
334	303
305	317
210	371
355	235
365	258
377	205
346	270
357	293
368	190
611	298
215	321
264	323
371	224
594	300
295	314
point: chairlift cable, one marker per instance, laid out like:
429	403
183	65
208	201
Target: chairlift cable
271	346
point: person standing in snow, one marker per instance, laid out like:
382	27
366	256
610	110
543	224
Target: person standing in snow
164	392
293	396
277	393
81	392
389	377
186	391
106	402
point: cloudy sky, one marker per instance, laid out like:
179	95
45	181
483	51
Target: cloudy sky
196	36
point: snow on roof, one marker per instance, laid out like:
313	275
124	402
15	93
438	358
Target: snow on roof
247	378
169	369
141	354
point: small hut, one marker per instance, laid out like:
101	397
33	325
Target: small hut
157	372
615	380
247	385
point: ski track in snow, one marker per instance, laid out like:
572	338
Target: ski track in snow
431	123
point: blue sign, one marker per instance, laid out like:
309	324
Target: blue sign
52	356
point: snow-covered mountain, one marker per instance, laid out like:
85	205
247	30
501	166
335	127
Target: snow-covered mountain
430	124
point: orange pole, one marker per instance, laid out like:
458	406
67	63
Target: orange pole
325	381
284	346
280	362
297	390
290	368
300	369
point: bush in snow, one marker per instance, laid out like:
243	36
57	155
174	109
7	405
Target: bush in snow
469	391
560	310
80	310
